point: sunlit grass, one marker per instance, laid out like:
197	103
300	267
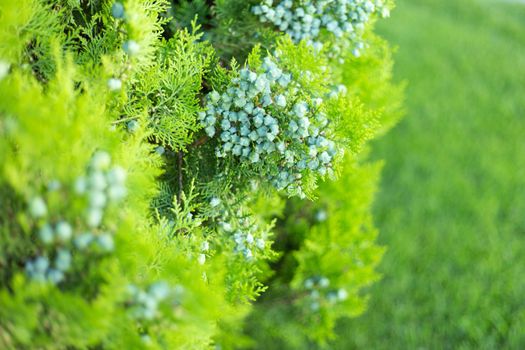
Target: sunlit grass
452	205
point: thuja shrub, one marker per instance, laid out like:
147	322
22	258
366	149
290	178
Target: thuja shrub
187	174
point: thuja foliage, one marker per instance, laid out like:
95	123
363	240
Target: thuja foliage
186	175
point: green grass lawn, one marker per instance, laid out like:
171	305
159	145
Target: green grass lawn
452	205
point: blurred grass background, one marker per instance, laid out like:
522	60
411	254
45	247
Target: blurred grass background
452	204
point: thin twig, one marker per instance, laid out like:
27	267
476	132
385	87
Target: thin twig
200	141
180	154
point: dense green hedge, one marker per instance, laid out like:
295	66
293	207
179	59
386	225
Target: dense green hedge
164	164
